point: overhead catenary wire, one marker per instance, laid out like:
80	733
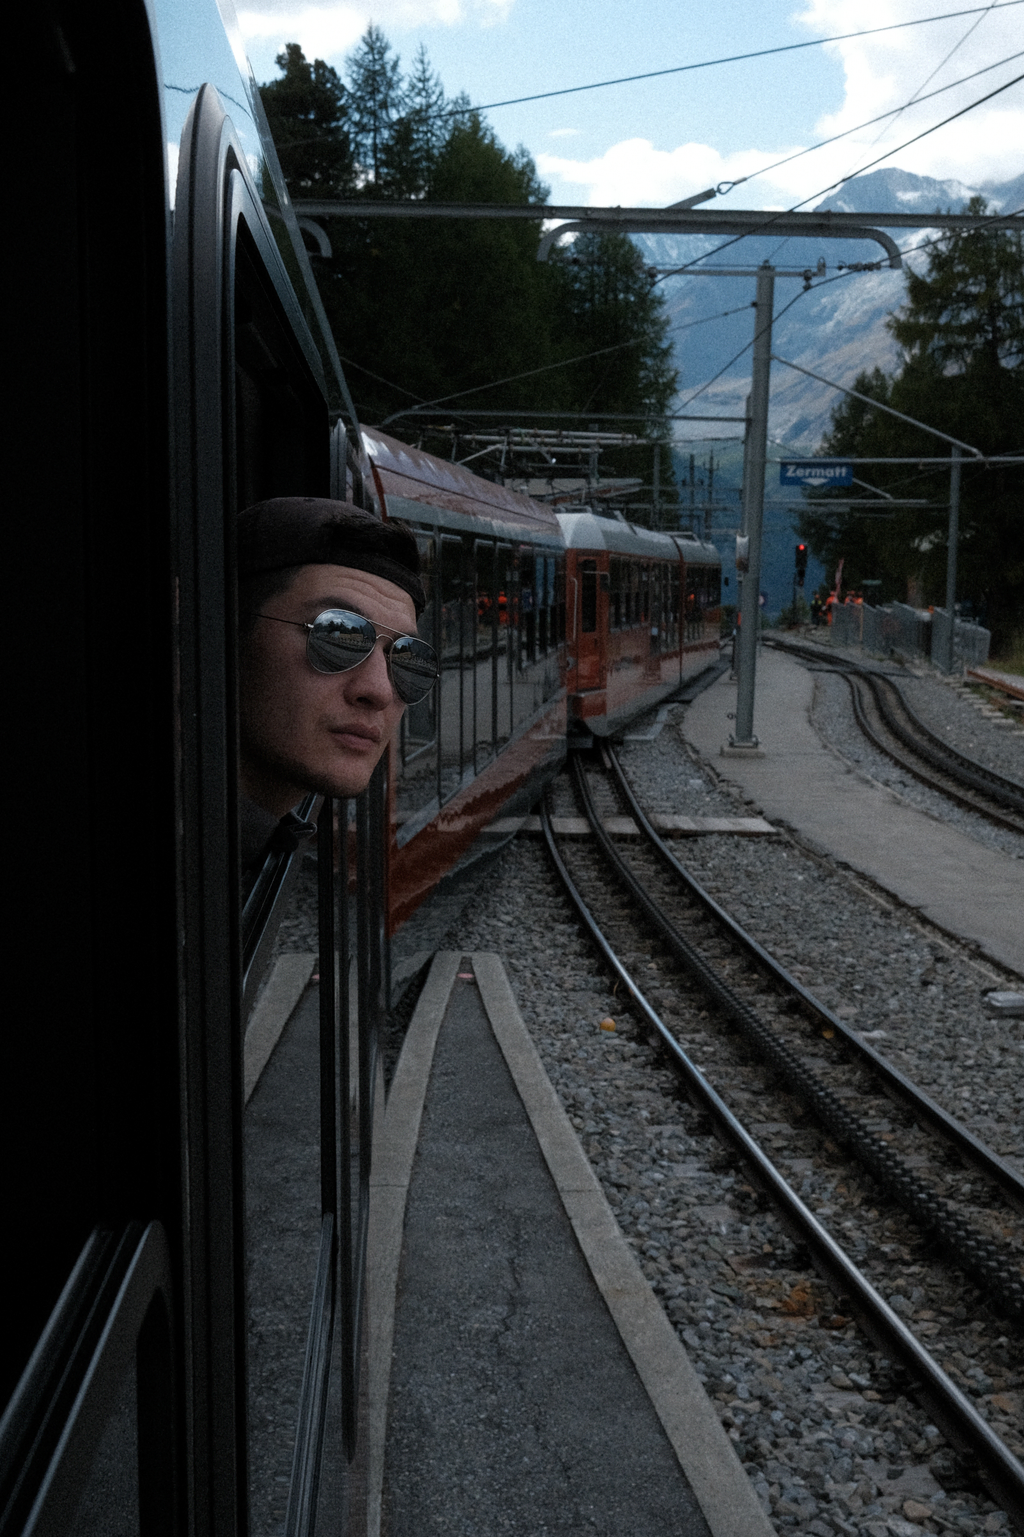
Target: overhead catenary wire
583	357
773	218
940	66
915	101
735	58
772	320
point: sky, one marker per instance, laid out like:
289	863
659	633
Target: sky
654	142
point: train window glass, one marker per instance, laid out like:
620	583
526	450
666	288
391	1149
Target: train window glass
504	577
527	607
645	593
275	442
280	419
588	596
615	600
543	606
560	600
485	665
552	673
529	675
468	655
673	607
417	777
453	703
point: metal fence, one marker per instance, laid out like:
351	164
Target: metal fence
899	630
970	642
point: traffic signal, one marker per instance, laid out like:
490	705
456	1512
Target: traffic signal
801	564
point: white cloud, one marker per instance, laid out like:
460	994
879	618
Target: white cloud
885	71
633	172
881	73
327	30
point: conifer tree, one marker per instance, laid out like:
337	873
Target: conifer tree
308	114
461	307
962	335
375	102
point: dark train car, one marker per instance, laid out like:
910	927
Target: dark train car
161	1372
644	613
494	729
171	364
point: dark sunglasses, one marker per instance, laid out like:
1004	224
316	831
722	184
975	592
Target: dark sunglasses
338	640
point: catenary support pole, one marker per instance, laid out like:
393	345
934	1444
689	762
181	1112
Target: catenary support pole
742	738
738	574
951	550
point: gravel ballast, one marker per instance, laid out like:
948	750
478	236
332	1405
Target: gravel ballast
832	717
826	1427
827	1431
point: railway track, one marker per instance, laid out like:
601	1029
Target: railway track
894	728
787	1049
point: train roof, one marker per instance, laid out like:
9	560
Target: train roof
584	530
408	475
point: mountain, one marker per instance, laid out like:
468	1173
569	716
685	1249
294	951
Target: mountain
836	330
895	191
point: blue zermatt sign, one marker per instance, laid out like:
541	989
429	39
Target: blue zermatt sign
815	473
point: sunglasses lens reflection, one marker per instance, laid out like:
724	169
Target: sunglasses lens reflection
339	641
413	668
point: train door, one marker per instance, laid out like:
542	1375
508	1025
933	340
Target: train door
590	641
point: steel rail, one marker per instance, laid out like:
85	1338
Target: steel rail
926	776
1000	1172
929	747
951	1410
990	1264
939	753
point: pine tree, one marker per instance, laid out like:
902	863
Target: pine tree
450	306
375	102
308	114
417	134
962	335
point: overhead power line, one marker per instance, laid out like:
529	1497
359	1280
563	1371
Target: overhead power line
975	24
727	186
583	357
735	58
774	217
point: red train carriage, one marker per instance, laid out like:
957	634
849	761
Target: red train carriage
494	728
644	613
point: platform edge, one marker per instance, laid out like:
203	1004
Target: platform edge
389	1189
704	1451
274	1007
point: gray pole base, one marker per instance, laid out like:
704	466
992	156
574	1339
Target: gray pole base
734	749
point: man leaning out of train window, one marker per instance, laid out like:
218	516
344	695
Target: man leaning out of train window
329	598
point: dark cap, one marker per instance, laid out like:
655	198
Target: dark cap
312	531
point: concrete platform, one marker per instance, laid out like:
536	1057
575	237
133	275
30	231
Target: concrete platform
523	1377
963	886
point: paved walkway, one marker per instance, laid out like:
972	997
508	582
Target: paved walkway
963	886
523	1377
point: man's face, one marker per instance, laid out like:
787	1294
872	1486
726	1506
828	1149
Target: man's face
303	730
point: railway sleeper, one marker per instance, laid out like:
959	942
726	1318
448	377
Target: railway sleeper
992	1266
